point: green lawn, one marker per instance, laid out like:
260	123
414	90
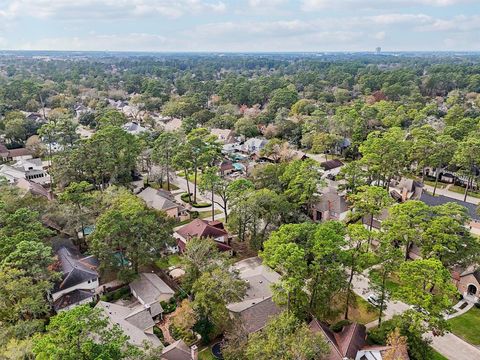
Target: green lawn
359	311
392	284
201	215
432	183
467	326
167	261
157	186
461	190
206	354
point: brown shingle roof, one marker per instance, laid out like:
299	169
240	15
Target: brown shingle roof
331	164
200	228
19	152
256	317
344	344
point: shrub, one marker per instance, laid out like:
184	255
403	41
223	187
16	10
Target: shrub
159	333
169	307
187	336
194	214
186	199
118	294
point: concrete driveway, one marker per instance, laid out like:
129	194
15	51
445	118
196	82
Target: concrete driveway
449	345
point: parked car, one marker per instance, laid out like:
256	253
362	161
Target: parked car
419	309
373	299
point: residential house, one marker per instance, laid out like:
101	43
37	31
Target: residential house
178	350
405	189
136	322
225	136
79	277
331	168
164	201
253	145
134	128
350	343
380	352
150	291
34	188
330	206
226	167
471	208
203	229
34	170
468	283
14	154
344	344
257	306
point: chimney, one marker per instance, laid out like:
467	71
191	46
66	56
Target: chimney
194	352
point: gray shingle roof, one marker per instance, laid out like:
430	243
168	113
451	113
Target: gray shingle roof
72	298
157	199
257	306
149	288
177	351
441	200
76	269
132	322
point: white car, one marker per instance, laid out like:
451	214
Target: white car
373	299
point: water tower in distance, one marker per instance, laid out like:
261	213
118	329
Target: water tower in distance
378	50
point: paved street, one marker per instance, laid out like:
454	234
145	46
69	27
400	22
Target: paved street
451	194
449	345
182	184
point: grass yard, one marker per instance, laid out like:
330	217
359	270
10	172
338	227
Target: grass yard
392	283
206	354
461	190
167	261
157	186
208	214
466	326
201	215
359	311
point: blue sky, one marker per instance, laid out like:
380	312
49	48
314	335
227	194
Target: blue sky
240	25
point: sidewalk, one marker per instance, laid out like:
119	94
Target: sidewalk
449	345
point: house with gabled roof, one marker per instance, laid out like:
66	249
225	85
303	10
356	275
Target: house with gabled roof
468	282
150	291
330	206
350	343
164	201
344	344
257	306
204	229
78	281
178	350
136	323
14	154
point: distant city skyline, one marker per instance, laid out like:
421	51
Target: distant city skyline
240	26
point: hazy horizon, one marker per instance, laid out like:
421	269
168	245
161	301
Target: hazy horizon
240	26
